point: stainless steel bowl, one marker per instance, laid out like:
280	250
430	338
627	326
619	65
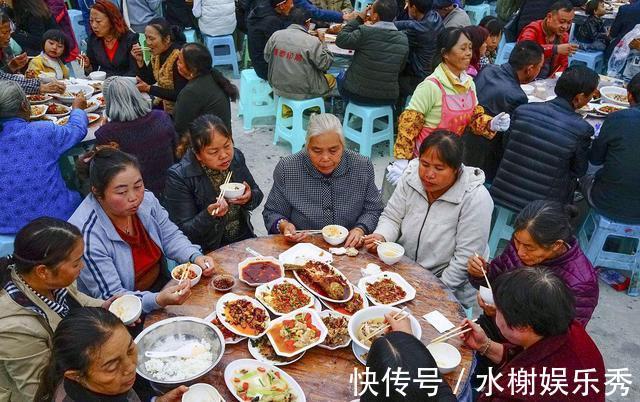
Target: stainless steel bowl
190	328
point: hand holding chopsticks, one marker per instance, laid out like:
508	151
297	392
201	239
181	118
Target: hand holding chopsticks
459	330
484	272
399	316
220	201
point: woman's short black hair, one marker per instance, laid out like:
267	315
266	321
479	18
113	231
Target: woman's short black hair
535	297
399	350
102	164
60	37
448	146
591	6
546	222
491	24
576	79
167	30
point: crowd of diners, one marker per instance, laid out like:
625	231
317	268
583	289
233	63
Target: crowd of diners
467	141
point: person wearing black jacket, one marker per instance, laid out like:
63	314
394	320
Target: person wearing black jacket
193	187
266	17
498	89
547	145
32	19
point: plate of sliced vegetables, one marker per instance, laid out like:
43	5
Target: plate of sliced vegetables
250	380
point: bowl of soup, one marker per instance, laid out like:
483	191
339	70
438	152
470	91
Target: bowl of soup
390	253
334	234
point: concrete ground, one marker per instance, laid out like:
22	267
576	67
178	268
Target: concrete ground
611	327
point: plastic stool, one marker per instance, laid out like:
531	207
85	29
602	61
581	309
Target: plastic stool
502	228
223	51
292	129
504	51
593	235
256	98
592	59
79	31
360	5
477	13
368	134
6	244
190	35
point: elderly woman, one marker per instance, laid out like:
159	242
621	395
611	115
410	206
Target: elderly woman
94	359
193	187
161	78
144	133
38	290
315	187
128	234
208	91
31	184
535	313
440	213
110	44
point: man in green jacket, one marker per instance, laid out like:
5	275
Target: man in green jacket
380	54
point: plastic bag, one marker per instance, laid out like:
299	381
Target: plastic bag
621	52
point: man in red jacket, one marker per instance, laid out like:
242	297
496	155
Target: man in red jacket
552	33
548	356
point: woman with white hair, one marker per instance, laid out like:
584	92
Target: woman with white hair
323	184
138	130
31	184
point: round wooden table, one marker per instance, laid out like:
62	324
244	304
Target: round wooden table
322	374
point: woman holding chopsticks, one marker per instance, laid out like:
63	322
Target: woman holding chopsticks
193	195
128	234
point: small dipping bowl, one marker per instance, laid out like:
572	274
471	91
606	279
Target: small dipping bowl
193	267
97	76
447	357
390	253
127	308
220	278
334	234
232	190
202	393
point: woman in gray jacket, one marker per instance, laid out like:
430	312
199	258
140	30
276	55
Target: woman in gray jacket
440	213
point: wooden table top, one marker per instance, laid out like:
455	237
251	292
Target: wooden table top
322	374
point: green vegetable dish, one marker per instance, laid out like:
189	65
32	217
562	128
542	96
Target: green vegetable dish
262	385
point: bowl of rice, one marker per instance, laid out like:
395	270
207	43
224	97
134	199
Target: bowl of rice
171	334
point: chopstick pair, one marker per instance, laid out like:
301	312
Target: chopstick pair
459	330
221	196
310	231
184	275
400	315
81	60
484	273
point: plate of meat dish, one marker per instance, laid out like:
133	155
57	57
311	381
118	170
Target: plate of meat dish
337	330
262	350
62	121
58	110
243	315
37	99
230	338
297	332
284	296
608	108
325	281
387	288
350	307
92	106
37	111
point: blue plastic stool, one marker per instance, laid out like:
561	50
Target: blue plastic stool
376	125
361	4
478	12
504	51
256	98
79	31
190	35
223	51
6	244
593	235
502	228
592	59
292	129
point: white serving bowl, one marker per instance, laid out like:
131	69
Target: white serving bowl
607	93
528	89
194	267
333	239
447	357
232	190
127	308
377	312
202	392
97	76
486	295
390	253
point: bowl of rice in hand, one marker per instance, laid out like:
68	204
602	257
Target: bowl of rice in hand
170	335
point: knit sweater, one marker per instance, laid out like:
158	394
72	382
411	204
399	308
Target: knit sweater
150	139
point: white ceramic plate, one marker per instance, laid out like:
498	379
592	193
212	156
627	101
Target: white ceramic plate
255	352
329	313
264	290
310	289
229	341
92	105
248	261
365	302
71	90
231	297
250	364
378	312
303	252
601	106
43	99
98	98
66	108
395	277
37	111
359	353
93	117
315	320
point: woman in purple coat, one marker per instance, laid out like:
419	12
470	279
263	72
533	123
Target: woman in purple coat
542	237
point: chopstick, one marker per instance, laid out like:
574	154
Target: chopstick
81	59
183	276
402	312
310	231
484	273
221	196
452	332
